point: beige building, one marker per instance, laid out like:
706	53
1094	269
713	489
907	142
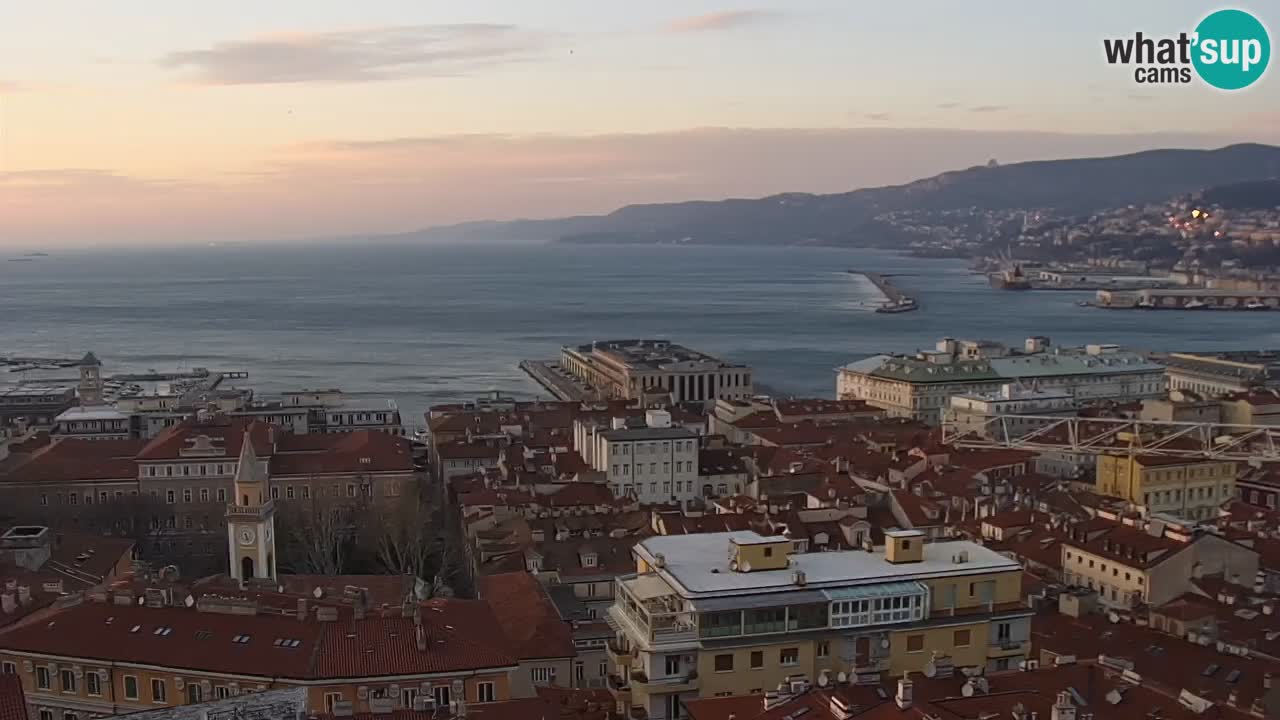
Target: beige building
736	613
921	386
644	369
1127	566
979	412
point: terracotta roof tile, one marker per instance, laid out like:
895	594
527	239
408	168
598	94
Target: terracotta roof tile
527	616
13	705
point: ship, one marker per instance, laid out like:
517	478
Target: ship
1010	276
1256	305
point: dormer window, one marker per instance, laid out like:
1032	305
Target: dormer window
589	560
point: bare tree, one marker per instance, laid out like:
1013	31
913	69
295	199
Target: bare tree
314	535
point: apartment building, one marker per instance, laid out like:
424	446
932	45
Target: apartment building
738	613
655	369
1186	488
920	386
1009	411
654	464
34	405
1215	376
1127	565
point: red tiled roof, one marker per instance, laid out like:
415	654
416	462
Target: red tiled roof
74	459
527	616
13	705
351	452
227	434
460	451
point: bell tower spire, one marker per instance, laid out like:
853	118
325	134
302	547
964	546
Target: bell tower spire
251	518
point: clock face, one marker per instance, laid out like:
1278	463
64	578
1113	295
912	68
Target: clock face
247	536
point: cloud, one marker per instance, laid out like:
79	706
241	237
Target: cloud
948	105
722	20
988	108
877	116
368	55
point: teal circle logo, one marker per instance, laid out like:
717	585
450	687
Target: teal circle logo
1231	49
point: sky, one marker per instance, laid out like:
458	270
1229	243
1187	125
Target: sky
137	122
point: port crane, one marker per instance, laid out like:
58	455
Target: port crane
1097	436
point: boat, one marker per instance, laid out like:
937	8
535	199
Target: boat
1146	303
905	304
1256	305
1194	304
1083	303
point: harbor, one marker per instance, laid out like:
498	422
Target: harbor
895	301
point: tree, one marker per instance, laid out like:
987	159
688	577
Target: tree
314	536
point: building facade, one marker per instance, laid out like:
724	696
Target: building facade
1185	488
921	386
641	369
653	464
737	613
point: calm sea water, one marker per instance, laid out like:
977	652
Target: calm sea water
433	324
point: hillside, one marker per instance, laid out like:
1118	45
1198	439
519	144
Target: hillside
1253	195
1078	185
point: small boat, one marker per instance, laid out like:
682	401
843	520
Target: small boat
1083	303
1146	303
1194	304
1256	305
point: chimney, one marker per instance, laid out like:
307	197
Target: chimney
420	634
1266	681
7	603
903	698
1063	709
358	611
302	609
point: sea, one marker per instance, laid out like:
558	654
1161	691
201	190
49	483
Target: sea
423	325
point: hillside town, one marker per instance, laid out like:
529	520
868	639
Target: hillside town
977	531
1197	237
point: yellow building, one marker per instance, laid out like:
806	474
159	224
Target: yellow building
735	613
1192	489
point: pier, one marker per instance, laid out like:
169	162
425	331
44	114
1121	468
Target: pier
560	384
895	300
1188	299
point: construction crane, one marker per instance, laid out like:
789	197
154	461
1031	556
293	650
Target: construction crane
1099	436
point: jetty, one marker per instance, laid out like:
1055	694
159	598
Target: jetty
895	300
560	384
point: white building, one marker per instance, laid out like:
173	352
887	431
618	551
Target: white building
921	386
98	422
653	464
976	412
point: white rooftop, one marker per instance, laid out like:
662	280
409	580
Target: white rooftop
91	412
698	565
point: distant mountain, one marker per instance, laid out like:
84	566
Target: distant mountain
1253	195
1081	185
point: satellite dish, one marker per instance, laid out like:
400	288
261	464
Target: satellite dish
885	643
745	566
966	690
189	601
823	680
841	677
318	592
930	670
1114	618
142	601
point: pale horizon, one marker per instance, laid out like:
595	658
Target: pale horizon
135	125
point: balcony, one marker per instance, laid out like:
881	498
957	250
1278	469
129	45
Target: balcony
249	512
684	682
620	688
867	667
651	613
1008	648
618	653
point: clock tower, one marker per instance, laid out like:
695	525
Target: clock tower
251	520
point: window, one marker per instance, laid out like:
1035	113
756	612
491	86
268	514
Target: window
68	715
159	692
1003	631
788	656
351	492
671	664
306	492
331	699
542	675
186	495
768	551
46	715
915	643
724	663
68	681
961	638
9	668
766	620
906	544
93	683
275	493
757	659
170	497
130	687
195	693
824	648
42	677
222	495
222	692
441	693
204	495
720	624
